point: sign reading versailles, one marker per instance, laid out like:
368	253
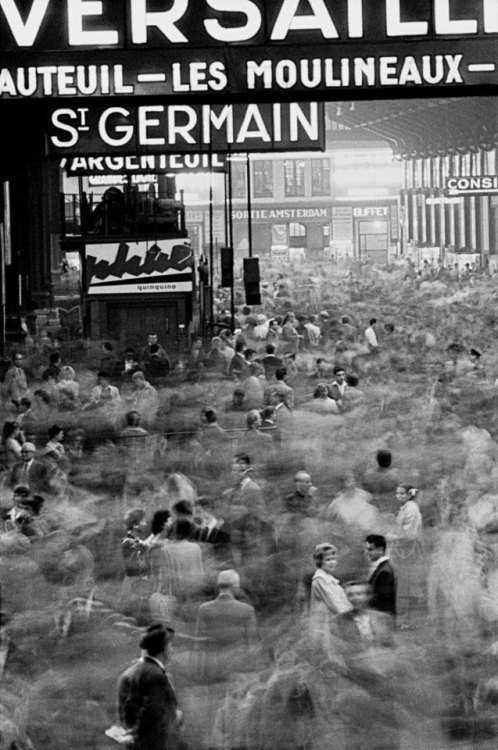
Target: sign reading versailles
249	48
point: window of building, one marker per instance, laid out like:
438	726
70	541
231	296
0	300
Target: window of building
263	178
320	177
297	234
294	177
239	180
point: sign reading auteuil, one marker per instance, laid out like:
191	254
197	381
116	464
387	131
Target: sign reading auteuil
77	48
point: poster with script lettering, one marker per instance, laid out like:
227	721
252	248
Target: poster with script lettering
158	266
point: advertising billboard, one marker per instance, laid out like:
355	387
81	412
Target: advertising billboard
159	266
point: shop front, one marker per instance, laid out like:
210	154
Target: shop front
135	288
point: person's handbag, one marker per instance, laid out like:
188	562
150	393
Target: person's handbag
162	607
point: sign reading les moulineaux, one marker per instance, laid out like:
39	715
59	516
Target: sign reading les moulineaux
182	128
84	48
136	268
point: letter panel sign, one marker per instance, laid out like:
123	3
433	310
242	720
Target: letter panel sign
291	49
474	185
158	267
153	128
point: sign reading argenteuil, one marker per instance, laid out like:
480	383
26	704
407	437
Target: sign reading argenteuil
218	48
139	267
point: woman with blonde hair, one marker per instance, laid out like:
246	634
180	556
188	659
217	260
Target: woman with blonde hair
328	598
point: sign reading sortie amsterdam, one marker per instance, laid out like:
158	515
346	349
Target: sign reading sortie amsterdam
249	48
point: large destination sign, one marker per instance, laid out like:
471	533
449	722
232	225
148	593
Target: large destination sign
291	49
149	164
182	128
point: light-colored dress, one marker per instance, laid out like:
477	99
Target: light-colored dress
328	599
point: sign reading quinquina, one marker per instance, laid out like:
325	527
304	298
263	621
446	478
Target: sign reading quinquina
289	49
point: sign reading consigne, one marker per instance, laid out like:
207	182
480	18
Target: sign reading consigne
77	48
478	185
183	128
142	267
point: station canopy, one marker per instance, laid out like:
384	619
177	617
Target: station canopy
417	128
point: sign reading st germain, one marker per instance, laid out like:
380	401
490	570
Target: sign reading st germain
289	49
184	127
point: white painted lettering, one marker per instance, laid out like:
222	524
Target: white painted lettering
26	88
164	20
178	129
387	71
65	79
286	74
235	33
409	72
287	20
119	86
432	68
211	120
219	80
443	24
396	27
355	19
454	75
298	118
126	130
145	122
76	11
59	123
253	114
255	71
7	85
24	33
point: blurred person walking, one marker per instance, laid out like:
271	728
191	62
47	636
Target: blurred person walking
229	630
148	706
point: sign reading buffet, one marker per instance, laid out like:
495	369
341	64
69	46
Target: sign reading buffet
74	48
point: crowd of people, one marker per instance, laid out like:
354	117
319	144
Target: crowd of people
281	495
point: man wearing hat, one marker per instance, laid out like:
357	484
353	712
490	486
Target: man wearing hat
147	700
21	503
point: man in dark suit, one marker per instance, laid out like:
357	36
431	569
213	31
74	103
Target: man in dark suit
228	629
381	577
30	472
245	493
147	701
271	362
269	425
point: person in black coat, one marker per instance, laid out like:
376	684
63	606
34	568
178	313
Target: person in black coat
381	578
147	701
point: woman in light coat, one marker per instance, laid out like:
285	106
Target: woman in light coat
328	598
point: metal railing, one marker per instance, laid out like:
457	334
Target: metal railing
120	213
